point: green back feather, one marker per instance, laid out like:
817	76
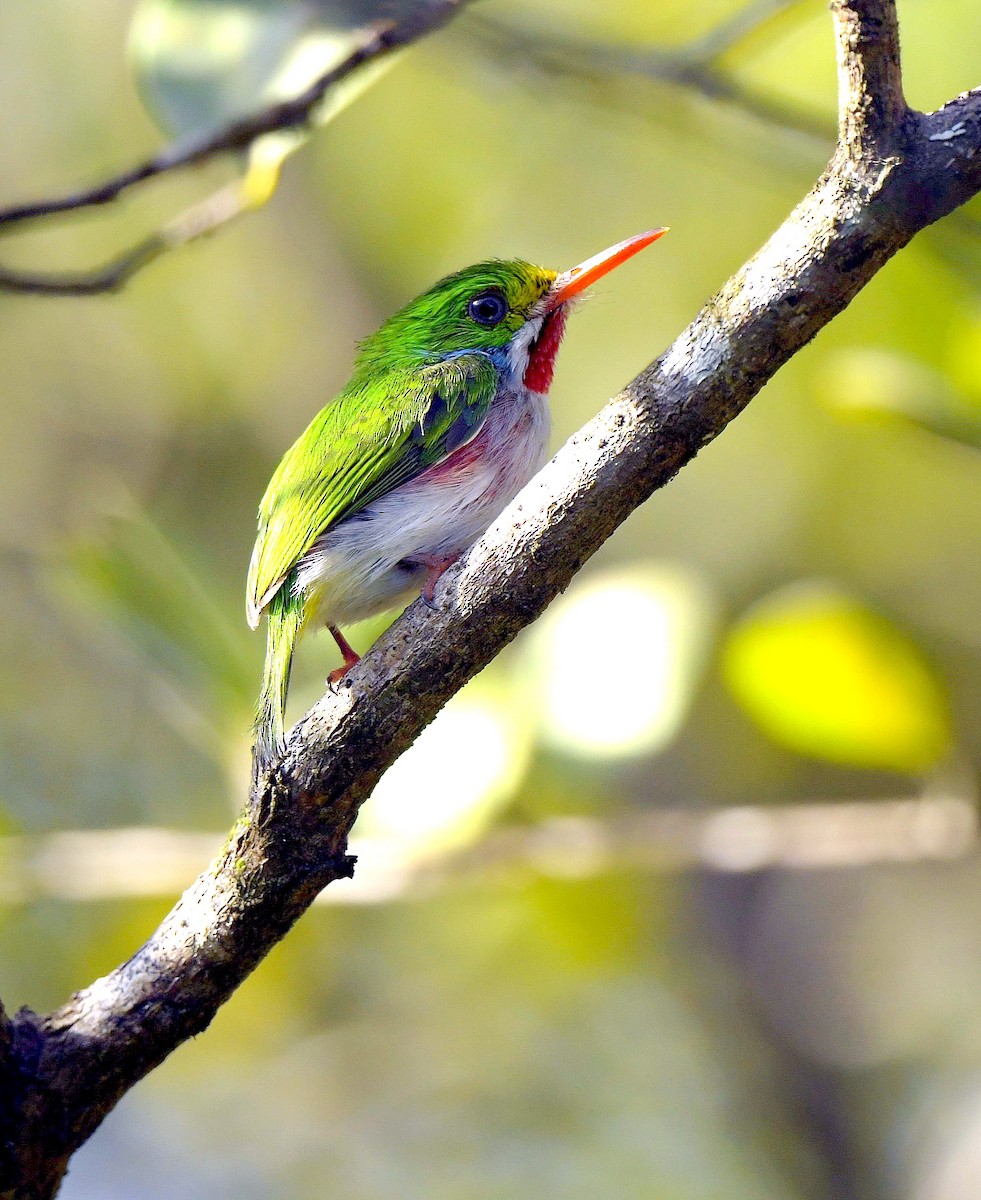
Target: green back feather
421	387
369	441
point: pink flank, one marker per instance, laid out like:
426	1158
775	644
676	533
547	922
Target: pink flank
485	449
457	463
537	378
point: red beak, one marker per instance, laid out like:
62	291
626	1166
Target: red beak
570	283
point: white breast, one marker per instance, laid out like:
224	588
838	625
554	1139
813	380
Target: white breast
354	570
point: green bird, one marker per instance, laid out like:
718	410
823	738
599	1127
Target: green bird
445	418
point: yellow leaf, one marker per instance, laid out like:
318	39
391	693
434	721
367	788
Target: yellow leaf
825	676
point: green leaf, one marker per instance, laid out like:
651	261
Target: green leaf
825	676
202	63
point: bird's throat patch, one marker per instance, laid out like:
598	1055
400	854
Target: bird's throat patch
541	359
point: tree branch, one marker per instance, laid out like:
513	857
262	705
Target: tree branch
734	29
195	222
238	135
695	66
871	107
76	1062
94	865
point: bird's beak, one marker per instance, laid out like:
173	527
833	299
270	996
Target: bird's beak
570	283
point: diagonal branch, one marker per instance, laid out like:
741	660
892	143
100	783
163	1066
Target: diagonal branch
734	29
696	66
241	133
195	222
291	842
236	136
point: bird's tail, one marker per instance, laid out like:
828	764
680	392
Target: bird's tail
284	623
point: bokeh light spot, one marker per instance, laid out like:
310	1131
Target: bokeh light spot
444	791
617	658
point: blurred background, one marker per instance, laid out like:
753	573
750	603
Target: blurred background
704	922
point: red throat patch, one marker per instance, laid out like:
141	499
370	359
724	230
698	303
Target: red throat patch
541	360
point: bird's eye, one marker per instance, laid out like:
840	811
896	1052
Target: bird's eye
489	308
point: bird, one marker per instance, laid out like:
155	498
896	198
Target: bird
443	421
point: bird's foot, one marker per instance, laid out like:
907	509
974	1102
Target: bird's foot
335	677
351	657
434	570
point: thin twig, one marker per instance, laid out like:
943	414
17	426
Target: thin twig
694	67
93	865
744	21
236	136
108	278
241	133
196	222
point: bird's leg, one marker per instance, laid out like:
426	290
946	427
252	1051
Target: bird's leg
350	656
434	569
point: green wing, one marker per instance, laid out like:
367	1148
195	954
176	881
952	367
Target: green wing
376	435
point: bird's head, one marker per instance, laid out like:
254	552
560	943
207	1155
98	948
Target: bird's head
510	310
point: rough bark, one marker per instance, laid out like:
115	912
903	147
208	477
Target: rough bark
894	172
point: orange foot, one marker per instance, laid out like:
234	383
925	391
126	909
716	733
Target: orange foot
350	656
434	569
